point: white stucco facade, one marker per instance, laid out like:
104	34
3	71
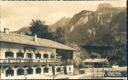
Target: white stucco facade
15	63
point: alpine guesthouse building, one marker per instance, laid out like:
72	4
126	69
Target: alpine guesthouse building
30	57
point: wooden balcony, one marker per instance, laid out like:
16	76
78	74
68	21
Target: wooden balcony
16	62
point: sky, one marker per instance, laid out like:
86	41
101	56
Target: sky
15	15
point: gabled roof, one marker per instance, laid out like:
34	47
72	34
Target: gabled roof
28	40
95	60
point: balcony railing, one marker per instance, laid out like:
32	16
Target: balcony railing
29	61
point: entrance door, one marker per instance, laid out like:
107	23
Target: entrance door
65	70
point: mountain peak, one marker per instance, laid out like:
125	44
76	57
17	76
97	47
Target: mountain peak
63	19
60	23
81	15
83	11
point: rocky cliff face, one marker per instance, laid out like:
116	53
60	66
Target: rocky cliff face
60	23
88	26
106	26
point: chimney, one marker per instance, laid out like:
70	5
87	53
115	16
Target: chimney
1	29
6	30
35	38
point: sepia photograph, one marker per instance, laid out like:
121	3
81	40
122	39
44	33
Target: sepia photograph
63	39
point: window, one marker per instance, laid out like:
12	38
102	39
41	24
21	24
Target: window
46	70
52	56
9	72
9	54
38	70
38	55
20	55
20	71
29	55
29	70
45	55
69	68
58	69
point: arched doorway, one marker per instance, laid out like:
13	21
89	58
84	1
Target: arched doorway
9	72
9	54
45	56
58	69
20	55
20	71
38	70
46	70
29	70
65	70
